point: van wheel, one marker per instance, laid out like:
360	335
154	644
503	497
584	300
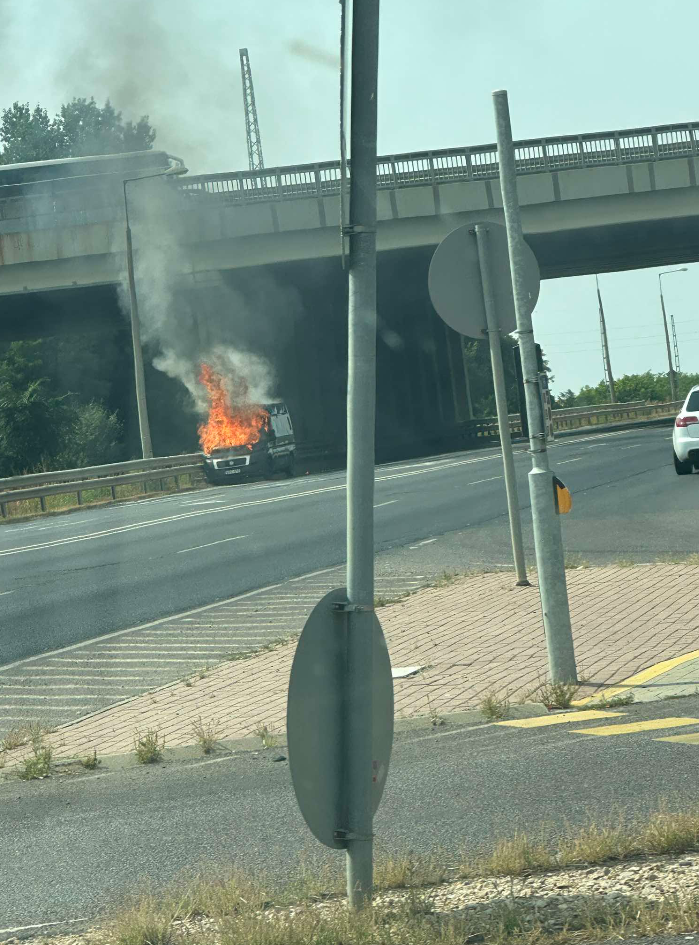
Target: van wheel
682	469
290	469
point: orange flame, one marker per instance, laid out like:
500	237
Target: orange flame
228	425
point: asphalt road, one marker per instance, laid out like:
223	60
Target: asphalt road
72	578
73	847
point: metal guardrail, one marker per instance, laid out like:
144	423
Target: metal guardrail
588	416
455	164
79	481
55	199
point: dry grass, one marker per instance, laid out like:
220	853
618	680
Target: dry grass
266	734
556	695
255	912
90	761
38	764
148	748
493	707
615	702
206	734
25	508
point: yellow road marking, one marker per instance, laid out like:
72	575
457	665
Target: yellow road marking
629	728
643	677
541	720
691	739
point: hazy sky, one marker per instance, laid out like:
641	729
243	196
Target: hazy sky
569	67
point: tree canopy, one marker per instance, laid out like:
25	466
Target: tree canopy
654	388
82	127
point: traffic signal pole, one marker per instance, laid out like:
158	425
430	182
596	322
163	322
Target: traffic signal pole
548	542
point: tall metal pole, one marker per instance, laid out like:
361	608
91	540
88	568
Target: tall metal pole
508	461
141	404
605	346
139	374
671	368
547	529
361	409
467	379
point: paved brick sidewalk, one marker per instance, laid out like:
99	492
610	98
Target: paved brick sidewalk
478	634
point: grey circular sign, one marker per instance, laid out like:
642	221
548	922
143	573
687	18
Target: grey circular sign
454	280
315	718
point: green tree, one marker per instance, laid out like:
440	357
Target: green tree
89	129
91	436
29	135
32	415
481	376
82	127
651	387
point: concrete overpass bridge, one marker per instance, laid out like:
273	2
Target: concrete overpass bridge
590	203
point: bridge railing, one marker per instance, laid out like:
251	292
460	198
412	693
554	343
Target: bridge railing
455	164
52	203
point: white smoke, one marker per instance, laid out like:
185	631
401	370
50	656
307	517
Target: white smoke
167	301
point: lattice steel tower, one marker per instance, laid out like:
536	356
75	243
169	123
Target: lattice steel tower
252	127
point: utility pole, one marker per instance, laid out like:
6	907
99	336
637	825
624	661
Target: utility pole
508	461
547	529
676	366
139	374
361	411
609	378
252	126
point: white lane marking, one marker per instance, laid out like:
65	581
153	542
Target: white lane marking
203	502
635	446
42	925
478	481
562	462
40	546
427	541
381	504
5	593
210	544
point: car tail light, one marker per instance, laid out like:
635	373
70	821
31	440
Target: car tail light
685	421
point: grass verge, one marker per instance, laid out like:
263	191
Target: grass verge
413	905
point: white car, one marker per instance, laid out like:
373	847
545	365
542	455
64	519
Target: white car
685	435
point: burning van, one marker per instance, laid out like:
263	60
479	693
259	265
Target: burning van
241	439
272	451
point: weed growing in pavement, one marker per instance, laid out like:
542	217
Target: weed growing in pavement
148	747
576	563
493	708
556	695
615	702
266	734
435	717
247	654
38	764
90	761
692	558
206	734
15	738
625	563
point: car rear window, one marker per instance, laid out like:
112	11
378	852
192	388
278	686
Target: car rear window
693	402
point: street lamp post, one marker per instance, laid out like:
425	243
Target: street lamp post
141	405
671	367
